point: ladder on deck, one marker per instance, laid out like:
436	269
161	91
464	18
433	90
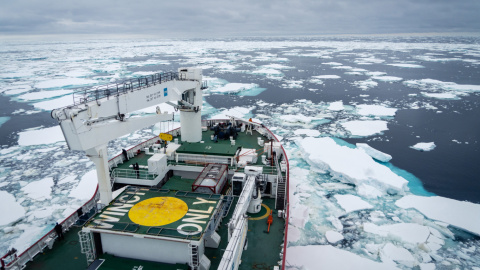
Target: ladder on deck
194	257
280	199
86	246
227	204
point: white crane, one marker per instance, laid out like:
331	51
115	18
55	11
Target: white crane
99	116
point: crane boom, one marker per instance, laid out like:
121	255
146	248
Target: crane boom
89	125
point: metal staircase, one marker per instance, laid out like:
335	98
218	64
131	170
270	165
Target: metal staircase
280	199
87	246
194	257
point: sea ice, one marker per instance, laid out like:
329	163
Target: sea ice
375	110
56	103
86	187
307	132
387	78
329	257
298	118
44	94
57	83
326	77
234	88
365	128
351	203
374	153
404	65
333	64
336	106
398	254
268	72
11	210
460	214
424	146
239	112
435	85
333	237
40	136
39	190
365	85
349	165
405	232
447	96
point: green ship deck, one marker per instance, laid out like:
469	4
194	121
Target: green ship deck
262	252
208	147
157	212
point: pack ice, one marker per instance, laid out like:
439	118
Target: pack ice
350	165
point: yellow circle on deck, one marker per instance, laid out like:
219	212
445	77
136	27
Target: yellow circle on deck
158	211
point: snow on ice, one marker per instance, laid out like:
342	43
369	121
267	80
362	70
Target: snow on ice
57	83
39	190
329	257
374	153
349	165
86	187
334	237
424	146
336	106
44	94
41	136
461	214
352	203
375	110
365	128
405	65
11	210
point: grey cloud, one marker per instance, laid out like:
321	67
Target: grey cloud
248	17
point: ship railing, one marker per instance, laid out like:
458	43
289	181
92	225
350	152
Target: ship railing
200	160
134	84
284	176
133	174
19	262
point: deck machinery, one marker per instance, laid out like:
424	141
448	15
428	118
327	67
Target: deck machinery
152	217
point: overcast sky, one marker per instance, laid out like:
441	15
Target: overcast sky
210	18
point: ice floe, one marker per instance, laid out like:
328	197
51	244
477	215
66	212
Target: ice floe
329	257
336	106
406	65
365	85
11	210
239	112
234	88
365	128
404	232
450	96
65	82
86	187
374	153
375	110
352	203
39	190
387	78
40	136
44	94
307	132
56	103
460	214
424	146
326	77
401	255
334	237
349	165
436	85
